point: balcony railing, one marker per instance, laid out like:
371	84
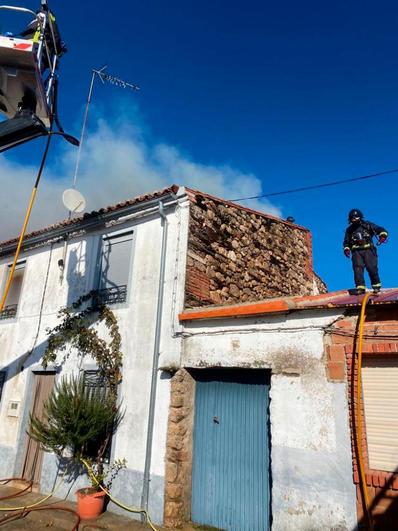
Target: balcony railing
114	295
9	312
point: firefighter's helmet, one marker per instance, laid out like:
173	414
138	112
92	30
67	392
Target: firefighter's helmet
355	214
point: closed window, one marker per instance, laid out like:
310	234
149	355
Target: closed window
14	294
380	396
115	268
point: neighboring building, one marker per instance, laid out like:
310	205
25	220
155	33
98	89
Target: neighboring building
179	251
260	424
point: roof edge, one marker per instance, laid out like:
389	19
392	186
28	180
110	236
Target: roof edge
194	192
327	301
89	221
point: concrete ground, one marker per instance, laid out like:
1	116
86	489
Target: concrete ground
49	519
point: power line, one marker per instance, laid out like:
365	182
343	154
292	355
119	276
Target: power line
315	186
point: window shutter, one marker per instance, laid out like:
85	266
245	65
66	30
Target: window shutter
380	394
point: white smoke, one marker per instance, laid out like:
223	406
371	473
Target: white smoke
116	164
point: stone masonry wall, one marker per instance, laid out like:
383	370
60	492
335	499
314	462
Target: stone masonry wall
177	508
239	255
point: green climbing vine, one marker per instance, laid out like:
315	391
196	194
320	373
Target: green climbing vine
77	330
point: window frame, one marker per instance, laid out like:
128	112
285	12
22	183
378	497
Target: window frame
94	371
6	269
98	267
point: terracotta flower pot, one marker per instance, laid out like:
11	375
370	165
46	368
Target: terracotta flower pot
90	503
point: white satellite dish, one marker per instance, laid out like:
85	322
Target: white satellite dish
73	200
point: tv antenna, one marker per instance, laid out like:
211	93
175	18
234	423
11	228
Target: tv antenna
104	77
72	199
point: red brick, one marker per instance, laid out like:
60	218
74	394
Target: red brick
349	350
395	483
344	324
367	347
336	371
340	340
336	353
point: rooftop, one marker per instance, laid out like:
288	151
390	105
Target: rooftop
157	194
336	299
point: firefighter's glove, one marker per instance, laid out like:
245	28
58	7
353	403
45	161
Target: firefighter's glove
347	252
382	238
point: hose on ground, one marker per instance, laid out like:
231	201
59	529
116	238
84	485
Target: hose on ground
117	502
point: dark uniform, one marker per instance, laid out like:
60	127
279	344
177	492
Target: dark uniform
358	241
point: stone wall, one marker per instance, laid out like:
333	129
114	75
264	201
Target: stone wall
238	255
177	507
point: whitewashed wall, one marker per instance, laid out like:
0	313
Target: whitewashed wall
137	319
311	468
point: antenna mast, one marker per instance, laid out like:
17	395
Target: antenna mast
113	81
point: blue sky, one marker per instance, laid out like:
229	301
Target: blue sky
237	100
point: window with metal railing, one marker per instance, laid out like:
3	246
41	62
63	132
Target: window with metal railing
14	294
115	264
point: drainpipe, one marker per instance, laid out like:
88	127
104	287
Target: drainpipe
155	365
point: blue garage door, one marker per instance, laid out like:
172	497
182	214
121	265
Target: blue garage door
230	476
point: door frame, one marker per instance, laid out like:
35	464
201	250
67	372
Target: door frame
179	445
24	423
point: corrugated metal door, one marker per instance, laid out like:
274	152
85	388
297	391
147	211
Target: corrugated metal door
230	476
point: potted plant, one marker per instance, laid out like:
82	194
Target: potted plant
79	422
91	500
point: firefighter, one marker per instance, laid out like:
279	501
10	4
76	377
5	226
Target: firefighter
52	37
358	243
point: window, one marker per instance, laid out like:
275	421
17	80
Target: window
115	268
96	383
2	381
380	395
10	309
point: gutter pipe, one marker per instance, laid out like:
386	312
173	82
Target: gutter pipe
155	364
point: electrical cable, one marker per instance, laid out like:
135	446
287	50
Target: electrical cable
30	352
119	503
316	186
358	414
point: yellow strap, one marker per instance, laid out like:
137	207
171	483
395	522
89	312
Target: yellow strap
36	36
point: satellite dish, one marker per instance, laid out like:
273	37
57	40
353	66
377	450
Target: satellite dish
73	200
